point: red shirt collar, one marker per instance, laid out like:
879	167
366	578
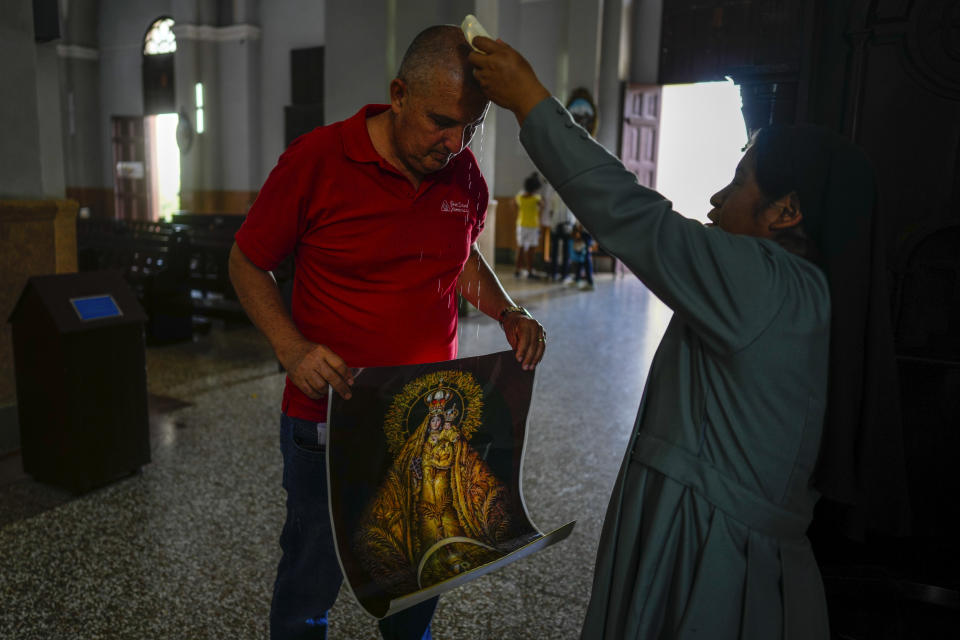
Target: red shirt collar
356	139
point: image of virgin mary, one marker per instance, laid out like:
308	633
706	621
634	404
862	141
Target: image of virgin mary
440	510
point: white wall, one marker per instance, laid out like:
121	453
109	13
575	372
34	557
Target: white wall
560	40
356	59
286	25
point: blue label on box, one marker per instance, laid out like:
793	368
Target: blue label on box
96	307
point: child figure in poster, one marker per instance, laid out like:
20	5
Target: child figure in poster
440	510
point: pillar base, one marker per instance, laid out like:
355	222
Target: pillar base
37	237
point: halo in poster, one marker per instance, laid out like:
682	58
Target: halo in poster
397	422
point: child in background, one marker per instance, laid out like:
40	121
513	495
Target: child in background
529	207
581	261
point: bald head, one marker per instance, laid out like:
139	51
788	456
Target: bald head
436	104
437	50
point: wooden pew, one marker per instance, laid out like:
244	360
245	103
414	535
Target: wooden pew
211	237
154	260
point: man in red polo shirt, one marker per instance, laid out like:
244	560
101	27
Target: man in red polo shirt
381	212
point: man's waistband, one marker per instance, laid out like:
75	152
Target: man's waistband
298	405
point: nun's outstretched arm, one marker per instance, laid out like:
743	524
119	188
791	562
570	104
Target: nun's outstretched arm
728	287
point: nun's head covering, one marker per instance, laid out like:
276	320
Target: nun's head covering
861	462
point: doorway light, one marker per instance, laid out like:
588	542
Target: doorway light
702	134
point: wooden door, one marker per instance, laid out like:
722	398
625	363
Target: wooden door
641	132
130	171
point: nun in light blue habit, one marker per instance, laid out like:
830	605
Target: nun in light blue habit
768	388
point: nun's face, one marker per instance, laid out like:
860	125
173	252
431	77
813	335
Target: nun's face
740	207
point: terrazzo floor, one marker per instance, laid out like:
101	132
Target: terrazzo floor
187	547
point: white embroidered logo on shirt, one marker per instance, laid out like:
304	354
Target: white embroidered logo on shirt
453	206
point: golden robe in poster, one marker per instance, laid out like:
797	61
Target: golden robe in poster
439	511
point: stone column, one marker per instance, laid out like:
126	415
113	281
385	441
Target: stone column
37	227
612	72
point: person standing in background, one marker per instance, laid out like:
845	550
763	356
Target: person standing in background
581	259
560	220
529	208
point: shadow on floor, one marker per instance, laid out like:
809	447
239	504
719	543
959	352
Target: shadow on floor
23	497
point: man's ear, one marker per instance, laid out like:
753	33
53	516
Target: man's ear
399	94
788	212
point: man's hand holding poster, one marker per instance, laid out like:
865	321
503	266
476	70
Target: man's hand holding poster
424	465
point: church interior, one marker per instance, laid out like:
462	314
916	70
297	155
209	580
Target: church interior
134	137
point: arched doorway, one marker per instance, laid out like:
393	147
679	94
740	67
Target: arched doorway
160	119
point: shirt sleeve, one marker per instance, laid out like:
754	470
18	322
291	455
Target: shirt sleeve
727	287
277	218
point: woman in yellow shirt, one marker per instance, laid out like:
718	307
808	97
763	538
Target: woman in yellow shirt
529	206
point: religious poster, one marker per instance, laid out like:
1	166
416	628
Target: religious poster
424	470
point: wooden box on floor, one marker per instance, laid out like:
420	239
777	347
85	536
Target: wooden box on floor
81	379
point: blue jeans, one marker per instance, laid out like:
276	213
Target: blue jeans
308	577
582	262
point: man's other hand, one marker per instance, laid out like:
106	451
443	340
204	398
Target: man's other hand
506	77
312	366
527	338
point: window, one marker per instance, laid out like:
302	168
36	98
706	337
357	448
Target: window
159	38
199	88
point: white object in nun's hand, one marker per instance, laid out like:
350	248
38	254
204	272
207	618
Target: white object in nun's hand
472	28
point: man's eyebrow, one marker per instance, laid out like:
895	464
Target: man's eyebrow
440	117
447	119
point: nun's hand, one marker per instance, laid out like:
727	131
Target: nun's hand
506	77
